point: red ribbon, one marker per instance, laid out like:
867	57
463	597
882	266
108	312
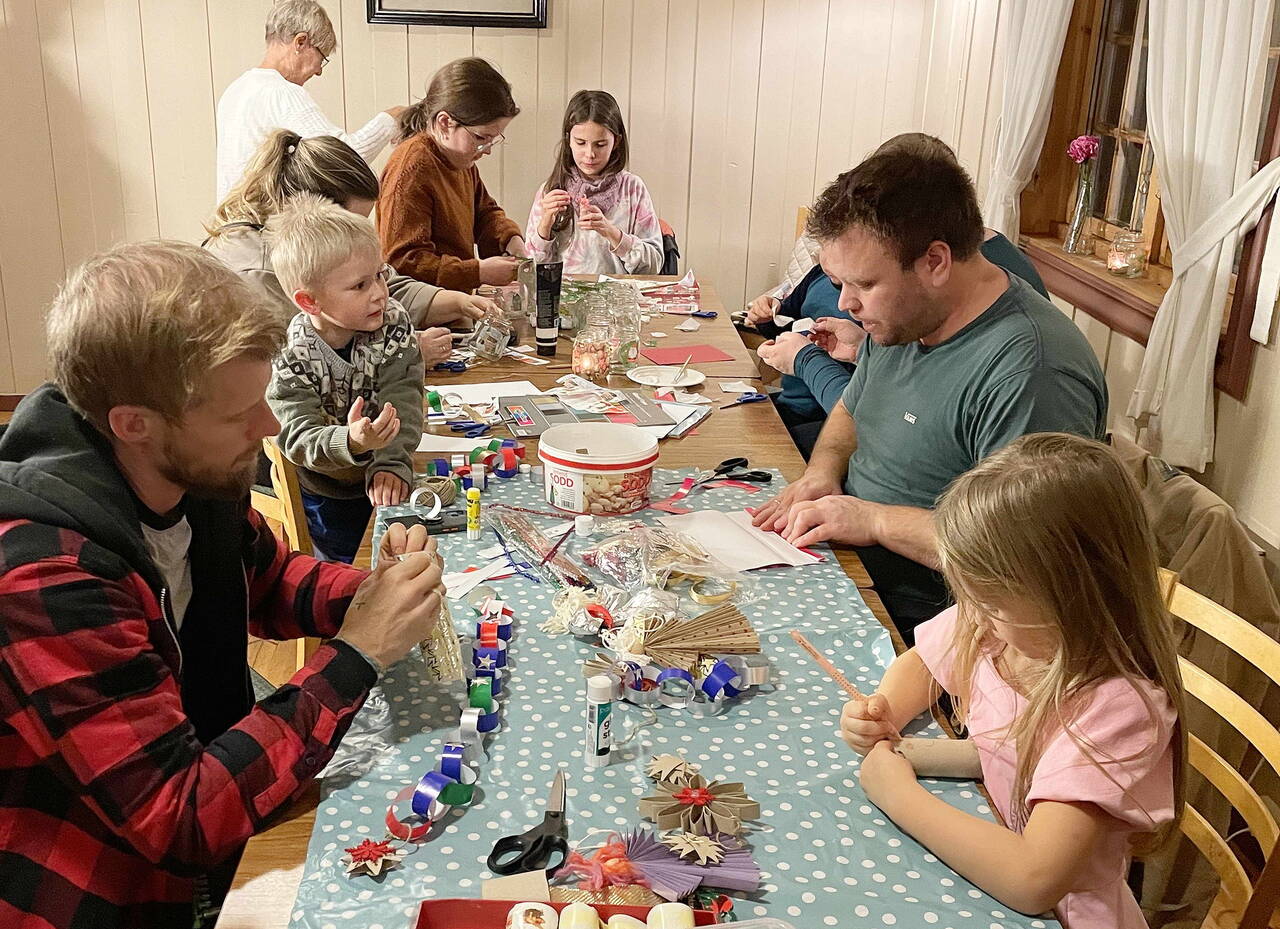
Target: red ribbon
601	613
695	796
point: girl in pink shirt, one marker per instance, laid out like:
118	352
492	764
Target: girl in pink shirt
1061	660
592	213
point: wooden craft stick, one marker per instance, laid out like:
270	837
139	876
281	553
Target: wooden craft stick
929	757
827	666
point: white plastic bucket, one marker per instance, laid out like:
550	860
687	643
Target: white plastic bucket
598	468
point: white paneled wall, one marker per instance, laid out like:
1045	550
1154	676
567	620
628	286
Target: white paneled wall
739	111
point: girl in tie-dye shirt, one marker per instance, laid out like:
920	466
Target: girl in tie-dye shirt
591	212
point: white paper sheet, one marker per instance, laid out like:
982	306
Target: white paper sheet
803	325
487	392
736	387
689	325
460	583
686	416
731	538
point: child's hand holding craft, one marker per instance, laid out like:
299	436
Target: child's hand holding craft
866	721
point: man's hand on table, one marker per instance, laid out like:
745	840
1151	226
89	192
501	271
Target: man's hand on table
780	353
835	518
398	604
772	517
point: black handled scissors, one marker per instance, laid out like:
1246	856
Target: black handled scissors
731	470
543	848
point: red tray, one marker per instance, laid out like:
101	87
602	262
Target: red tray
492	914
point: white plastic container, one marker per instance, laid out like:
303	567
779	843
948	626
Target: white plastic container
599	468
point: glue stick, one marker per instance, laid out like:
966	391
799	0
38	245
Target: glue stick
473	515
599	736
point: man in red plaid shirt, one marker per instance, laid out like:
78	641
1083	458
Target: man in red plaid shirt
134	763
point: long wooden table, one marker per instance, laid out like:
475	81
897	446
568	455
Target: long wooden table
267	879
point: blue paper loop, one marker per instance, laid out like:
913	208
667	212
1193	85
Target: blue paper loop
428	792
719	682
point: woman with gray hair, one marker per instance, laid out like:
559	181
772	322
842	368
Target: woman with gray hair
300	39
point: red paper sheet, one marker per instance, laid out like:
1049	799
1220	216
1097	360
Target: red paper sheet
675	355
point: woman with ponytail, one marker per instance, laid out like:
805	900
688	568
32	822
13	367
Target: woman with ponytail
287	164
434	212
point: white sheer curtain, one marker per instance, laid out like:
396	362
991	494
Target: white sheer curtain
1033	32
1205	77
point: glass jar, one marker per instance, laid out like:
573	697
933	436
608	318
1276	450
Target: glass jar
624	314
593	352
491	337
1127	256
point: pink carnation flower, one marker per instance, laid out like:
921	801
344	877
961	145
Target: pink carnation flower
1082	148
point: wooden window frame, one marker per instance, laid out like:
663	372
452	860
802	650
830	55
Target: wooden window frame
1127	306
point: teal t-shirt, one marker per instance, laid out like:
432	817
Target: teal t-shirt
925	415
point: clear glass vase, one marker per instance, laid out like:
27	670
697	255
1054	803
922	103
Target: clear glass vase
1078	241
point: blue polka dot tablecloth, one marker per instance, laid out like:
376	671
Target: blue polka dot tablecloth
828	857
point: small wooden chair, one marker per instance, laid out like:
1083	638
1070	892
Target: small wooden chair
1240	902
277	661
284	504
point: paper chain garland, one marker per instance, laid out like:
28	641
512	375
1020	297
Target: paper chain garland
452	781
501	457
712	683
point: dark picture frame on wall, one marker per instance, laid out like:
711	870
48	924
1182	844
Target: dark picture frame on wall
521	14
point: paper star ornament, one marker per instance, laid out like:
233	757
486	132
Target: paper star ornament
670	769
699	848
372	857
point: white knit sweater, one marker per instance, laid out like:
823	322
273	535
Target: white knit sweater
261	100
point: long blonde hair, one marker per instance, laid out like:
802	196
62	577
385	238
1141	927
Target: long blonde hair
286	164
1055	520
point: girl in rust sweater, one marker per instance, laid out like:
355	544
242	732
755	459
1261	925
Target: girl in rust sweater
433	211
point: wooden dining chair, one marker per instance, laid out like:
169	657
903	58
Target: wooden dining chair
284	504
1241	903
802	220
277	661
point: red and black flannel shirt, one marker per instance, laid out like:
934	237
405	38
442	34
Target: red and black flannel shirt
109	804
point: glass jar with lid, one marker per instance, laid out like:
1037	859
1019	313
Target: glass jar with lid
1127	256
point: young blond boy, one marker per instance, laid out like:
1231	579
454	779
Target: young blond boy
347	387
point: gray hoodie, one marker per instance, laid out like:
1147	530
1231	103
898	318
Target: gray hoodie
241	247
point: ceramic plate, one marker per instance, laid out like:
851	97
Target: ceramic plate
665	376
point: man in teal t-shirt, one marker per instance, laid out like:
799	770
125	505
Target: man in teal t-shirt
961	358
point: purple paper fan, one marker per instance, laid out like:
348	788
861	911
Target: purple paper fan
669	875
737	870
